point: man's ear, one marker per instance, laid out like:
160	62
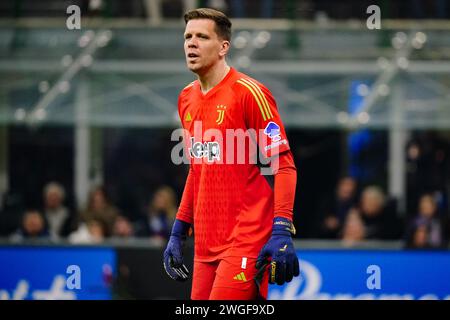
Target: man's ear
225	47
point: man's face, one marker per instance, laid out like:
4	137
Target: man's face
202	46
53	199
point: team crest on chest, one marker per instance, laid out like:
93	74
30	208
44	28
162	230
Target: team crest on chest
221	111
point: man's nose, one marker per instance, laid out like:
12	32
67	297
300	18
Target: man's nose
192	43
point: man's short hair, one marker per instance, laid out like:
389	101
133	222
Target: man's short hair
375	192
223	24
56	187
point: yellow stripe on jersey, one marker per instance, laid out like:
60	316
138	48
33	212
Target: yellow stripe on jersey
266	103
255	95
262	96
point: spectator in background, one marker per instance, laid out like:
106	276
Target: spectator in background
33	226
59	219
353	229
92	231
160	215
428	168
123	228
336	210
426	229
419	239
380	223
100	209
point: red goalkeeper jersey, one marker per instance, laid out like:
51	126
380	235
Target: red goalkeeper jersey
227	198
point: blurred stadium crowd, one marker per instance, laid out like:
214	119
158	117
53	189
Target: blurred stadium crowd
357	209
101	219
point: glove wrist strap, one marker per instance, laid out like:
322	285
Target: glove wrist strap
282	227
180	229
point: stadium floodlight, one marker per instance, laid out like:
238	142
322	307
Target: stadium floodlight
404	46
66	60
90	41
43	86
20	114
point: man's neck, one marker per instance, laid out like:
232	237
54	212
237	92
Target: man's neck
213	77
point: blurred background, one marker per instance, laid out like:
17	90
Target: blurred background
86	117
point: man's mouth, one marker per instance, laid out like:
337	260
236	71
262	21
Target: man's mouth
192	55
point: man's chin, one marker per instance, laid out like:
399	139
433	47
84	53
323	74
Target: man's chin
194	68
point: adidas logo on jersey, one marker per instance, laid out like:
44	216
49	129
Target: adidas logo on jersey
240	277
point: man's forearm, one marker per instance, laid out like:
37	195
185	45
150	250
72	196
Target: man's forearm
186	209
285	185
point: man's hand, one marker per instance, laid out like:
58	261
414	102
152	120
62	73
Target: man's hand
284	262
173	255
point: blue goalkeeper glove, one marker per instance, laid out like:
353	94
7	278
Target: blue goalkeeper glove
173	255
284	262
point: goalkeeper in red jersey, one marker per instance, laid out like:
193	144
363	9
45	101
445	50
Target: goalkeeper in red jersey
242	219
